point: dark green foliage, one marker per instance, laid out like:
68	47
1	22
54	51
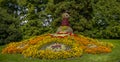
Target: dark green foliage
93	18
33	28
79	13
9	28
106	14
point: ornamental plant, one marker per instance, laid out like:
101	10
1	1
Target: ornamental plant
58	47
39	50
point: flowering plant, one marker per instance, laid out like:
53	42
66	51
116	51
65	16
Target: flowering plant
50	47
39	50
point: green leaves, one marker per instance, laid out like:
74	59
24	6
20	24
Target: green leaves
98	19
9	28
22	3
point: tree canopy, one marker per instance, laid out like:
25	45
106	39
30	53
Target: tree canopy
26	18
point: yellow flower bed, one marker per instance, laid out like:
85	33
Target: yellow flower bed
18	47
15	47
93	46
75	44
36	51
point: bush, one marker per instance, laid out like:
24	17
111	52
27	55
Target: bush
9	28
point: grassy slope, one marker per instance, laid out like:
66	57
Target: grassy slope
114	56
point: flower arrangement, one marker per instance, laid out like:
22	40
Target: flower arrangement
15	47
93	46
18	47
37	50
63	44
98	49
58	47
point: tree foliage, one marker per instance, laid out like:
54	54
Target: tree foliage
106	14
93	18
9	28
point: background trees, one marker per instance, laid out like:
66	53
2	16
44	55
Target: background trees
96	19
106	14
93	18
9	28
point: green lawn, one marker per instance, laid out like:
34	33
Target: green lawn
114	56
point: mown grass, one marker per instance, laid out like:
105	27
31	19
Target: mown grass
114	56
